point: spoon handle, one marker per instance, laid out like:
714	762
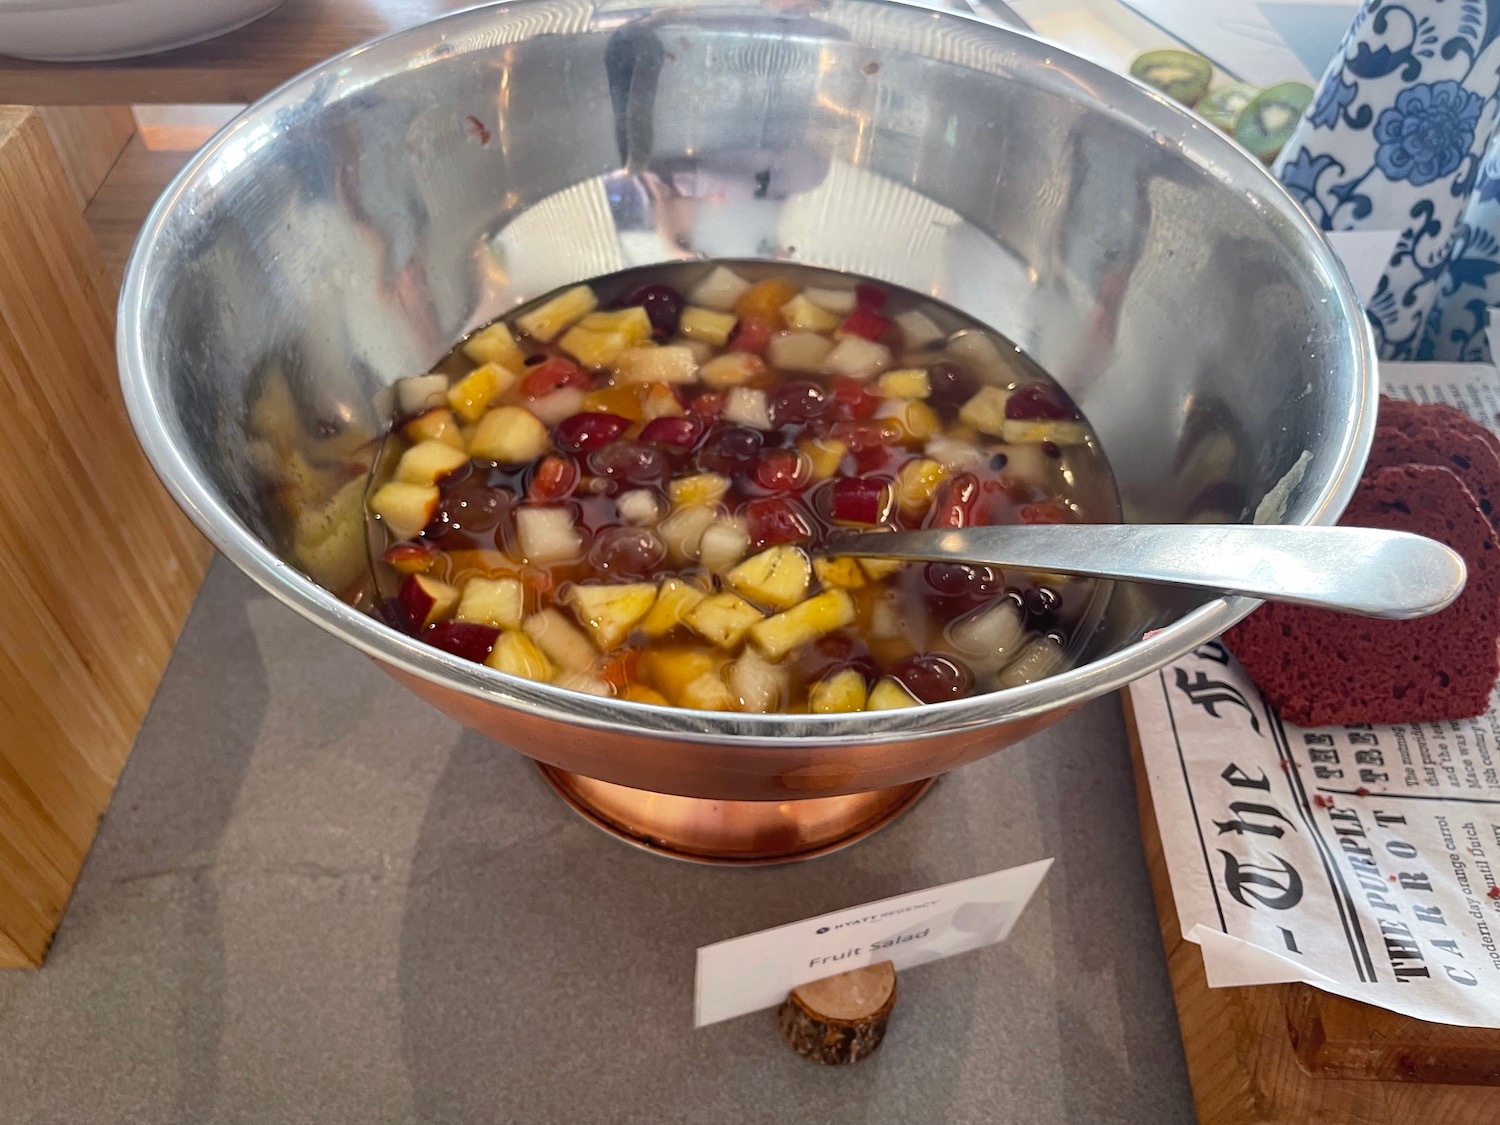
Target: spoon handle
1354	569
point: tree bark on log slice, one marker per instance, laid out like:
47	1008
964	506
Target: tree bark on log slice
840	1019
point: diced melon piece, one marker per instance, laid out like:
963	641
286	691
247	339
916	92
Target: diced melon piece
989	637
986	410
660	402
823	455
756	684
888	695
500	602
839	571
731	370
917	329
1018	431
421	392
656	365
404	508
515	654
585	682
560	639
841	692
435	425
804	622
857	358
834	300
917	483
723	618
472	395
548	535
706	325
906	382
674	601
548	321
640	507
749	407
608	613
427	462
511	435
682	531
798	351
556	405
776	577
673	667
701	352
724	543
640	693
801	313
700	488
708	692
876	569
1042	657
633	322
954	454
916	421
720	289
495	344
593	348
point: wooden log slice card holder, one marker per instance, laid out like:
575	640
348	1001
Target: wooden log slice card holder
840	1019
1290	1054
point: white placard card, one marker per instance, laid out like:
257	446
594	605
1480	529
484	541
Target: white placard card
746	974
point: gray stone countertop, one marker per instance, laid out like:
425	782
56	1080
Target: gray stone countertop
314	900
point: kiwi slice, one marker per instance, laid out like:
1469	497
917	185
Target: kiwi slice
1222	106
1181	75
1267	122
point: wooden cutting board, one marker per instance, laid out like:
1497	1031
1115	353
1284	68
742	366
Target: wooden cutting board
1289	1054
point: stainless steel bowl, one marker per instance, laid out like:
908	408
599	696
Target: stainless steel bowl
345	230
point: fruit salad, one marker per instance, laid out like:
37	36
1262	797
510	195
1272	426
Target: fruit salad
628	488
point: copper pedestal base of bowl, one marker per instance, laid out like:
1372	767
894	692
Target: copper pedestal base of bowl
732	833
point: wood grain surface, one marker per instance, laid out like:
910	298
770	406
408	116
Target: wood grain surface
100	567
236	68
1288	1054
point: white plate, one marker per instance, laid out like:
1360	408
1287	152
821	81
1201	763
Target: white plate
93	30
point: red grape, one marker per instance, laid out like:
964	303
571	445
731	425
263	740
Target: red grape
796	404
682	432
956	502
707	406
549	376
870	298
579	432
863	322
470	507
949	384
751	334
774	522
1037	400
933	677
730	450
663	306
852	400
782	470
462	638
1046	511
860	500
555	479
958	580
630	463
636	552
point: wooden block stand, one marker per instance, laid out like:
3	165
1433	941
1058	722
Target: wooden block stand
99	566
1289	1054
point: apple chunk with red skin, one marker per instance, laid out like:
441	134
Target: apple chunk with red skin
463	638
425	600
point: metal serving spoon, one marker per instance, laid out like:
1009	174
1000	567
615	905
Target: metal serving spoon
1360	570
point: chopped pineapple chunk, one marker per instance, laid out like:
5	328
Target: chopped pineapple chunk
472	395
804	622
610	612
547	322
840	571
514	653
986	410
907	382
560	639
841	692
916	485
915	420
499	602
1057	431
427	462
889	695
801	313
404	508
700	488
682	531
731	370
656	365
632	321
708	692
673	667
724	543
706	325
660	402
876	569
593	348
777	577
756	684
495	344
511	435
435	425
640	693
674	601
723	618
824	455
